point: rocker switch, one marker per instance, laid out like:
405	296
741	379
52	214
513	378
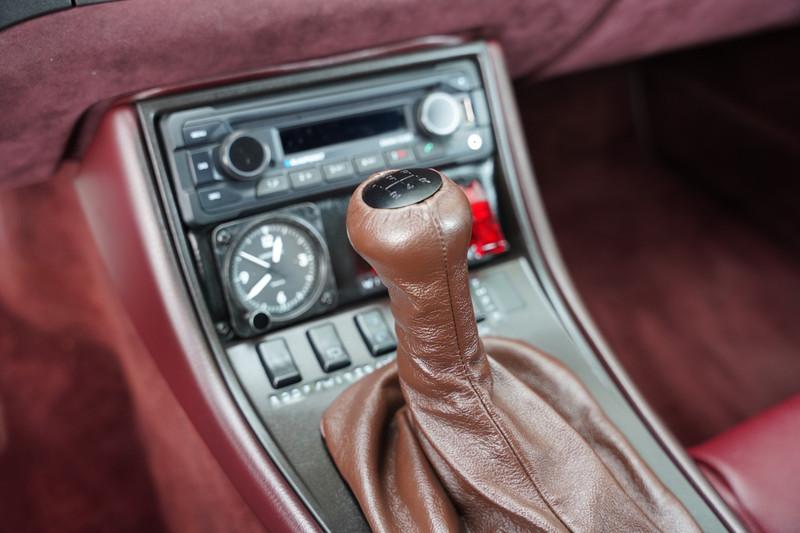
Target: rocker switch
376	332
278	362
328	347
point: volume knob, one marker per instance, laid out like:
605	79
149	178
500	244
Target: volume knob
242	156
439	114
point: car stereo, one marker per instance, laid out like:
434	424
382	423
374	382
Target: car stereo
230	159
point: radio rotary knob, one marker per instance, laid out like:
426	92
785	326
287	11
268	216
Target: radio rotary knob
439	114
242	156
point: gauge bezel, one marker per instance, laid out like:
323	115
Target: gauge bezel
323	265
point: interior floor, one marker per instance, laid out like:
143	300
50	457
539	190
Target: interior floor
698	304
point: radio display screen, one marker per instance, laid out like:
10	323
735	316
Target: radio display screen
339	130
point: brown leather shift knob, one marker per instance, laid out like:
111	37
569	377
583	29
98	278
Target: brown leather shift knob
451	439
420	252
409	232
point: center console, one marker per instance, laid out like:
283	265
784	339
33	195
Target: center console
254	180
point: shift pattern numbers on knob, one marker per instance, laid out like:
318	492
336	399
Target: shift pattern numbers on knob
401	188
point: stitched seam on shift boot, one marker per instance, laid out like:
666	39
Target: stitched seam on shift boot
630	497
484	402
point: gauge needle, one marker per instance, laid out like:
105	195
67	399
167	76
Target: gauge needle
254	259
258	287
277	250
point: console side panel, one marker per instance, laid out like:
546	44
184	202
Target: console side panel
115	189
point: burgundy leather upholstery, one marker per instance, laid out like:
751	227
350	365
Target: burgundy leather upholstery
2	430
756	468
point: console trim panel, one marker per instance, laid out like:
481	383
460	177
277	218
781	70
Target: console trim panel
547	271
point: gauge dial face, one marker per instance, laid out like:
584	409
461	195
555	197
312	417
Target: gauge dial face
275	267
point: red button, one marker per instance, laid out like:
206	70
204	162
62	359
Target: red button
487	235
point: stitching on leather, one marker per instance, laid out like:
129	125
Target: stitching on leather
591	449
484	403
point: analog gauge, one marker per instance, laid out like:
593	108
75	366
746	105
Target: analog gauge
277	266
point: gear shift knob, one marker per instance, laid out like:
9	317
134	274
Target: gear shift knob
401	221
414	226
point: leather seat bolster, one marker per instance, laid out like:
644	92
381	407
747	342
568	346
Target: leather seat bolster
755	467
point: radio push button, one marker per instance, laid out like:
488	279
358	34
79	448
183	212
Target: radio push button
369	163
305	178
272	185
337	170
399	156
202	167
204	133
461	82
430	149
217	198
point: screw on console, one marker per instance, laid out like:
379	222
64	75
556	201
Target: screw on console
224	237
223	329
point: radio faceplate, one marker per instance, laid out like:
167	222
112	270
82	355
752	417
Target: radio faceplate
233	159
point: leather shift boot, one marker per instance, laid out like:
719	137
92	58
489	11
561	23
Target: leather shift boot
450	439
